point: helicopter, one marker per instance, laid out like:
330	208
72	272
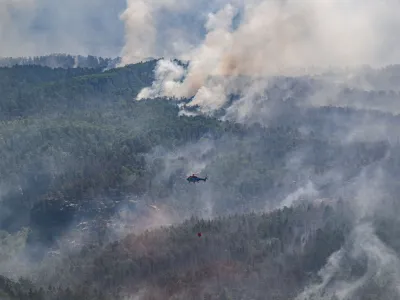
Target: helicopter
193	178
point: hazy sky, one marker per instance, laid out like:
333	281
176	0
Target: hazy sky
37	27
319	30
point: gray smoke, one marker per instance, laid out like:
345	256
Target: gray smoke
259	39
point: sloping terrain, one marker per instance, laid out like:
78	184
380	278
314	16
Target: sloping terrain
94	203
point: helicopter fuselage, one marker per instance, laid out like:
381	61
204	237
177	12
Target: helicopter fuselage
195	179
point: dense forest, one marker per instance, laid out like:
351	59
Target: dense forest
61	61
94	202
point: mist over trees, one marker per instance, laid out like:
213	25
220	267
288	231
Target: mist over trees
301	199
61	61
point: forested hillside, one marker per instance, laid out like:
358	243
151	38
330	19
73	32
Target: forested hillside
61	61
94	202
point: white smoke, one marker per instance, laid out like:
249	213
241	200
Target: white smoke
139	16
382	268
155	28
272	38
169	75
304	192
382	265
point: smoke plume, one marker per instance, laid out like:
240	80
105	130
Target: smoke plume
261	38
